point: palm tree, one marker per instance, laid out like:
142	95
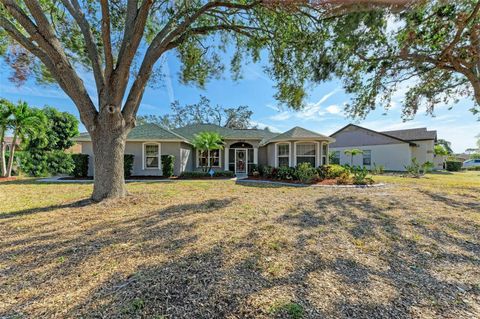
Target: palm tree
4	121
206	142
24	121
352	153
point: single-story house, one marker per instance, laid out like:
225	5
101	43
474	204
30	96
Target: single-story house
392	149
243	148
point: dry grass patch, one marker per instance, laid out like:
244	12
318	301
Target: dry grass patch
201	249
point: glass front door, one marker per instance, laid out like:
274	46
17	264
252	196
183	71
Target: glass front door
241	161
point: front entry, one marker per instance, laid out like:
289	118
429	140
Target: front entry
240	161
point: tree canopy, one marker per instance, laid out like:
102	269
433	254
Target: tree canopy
428	54
202	112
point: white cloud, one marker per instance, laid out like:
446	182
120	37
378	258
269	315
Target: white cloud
262	125
281	116
333	109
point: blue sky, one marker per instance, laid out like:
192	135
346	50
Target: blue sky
324	112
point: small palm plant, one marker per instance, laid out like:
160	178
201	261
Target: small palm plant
206	142
24	121
352	153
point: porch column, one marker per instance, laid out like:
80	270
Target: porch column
255	155
227	163
327	159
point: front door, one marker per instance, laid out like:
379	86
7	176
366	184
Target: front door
240	161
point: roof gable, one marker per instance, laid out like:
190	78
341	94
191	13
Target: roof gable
190	131
353	135
298	133
146	132
414	134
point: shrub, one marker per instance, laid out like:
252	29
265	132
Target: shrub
377	169
253	169
194	174
168	165
305	172
344	178
43	163
128	165
330	171
80	162
360	176
453	166
223	174
427	167
286	173
266	170
413	169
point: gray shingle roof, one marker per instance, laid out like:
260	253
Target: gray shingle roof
189	132
298	133
414	134
146	132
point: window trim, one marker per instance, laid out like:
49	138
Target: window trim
289	153
316	155
209	157
144	157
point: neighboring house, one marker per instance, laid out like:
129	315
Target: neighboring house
392	149
243	148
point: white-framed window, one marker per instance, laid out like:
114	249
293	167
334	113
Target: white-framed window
208	158
283	154
306	153
367	157
151	158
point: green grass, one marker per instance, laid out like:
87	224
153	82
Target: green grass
444	179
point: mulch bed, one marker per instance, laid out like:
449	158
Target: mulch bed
6	179
289	181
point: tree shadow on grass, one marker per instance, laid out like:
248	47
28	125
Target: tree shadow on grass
449	201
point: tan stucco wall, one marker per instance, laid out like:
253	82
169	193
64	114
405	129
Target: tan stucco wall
135	148
424	151
394	157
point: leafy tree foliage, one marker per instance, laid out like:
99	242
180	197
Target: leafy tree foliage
430	52
44	153
202	112
446	145
440	150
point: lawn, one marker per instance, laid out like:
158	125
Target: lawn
215	249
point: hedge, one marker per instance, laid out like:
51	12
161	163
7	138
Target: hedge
168	164
128	164
453	166
80	162
205	174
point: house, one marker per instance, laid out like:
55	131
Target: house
244	148
392	149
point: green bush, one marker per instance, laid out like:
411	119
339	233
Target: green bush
80	165
128	164
253	170
194	174
330	171
453	166
168	165
473	168
360	176
305	172
286	173
427	167
43	163
266	170
414	168
223	174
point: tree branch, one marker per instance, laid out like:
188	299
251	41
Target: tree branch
107	42
76	11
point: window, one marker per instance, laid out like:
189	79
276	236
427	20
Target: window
208	158
306	153
152	154
367	157
336	157
283	154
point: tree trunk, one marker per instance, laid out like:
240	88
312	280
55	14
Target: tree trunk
12	155
108	150
3	145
